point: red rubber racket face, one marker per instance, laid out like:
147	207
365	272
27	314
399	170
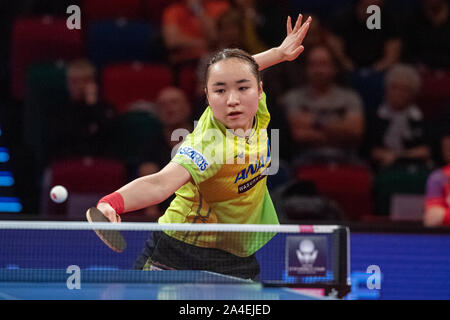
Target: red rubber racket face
112	238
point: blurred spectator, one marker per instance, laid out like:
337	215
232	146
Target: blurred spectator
277	81
326	120
400	151
189	28
249	21
437	205
427	35
174	112
287	76
399	130
234	30
360	47
83	127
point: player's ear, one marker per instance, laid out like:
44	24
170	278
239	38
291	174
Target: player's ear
260	90
206	94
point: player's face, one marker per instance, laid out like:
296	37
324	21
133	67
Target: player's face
233	93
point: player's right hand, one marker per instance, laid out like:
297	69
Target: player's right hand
109	212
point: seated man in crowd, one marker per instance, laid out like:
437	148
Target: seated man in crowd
326	120
85	126
398	134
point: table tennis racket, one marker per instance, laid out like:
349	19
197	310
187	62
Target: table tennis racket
112	238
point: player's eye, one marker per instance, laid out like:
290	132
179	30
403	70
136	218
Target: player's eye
219	91
243	88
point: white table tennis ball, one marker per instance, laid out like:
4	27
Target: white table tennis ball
58	194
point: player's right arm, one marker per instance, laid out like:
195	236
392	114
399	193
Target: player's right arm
148	190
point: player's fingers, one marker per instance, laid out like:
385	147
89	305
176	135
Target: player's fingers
299	50
111	215
115	217
303	31
288	25
118	218
298	24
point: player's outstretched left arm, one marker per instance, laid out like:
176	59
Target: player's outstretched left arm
290	48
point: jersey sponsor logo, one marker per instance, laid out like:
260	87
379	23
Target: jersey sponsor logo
254	167
250	184
251	169
197	158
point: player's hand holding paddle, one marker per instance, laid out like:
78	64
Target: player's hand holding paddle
109	212
112	238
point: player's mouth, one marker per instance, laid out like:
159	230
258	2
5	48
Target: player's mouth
234	114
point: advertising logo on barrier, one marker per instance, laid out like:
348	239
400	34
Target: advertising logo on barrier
306	256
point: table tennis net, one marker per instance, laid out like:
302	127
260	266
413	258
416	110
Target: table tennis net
274	254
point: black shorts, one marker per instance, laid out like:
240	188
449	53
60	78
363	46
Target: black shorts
165	252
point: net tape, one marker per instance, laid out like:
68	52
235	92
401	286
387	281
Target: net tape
149	226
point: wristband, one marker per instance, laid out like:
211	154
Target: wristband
115	200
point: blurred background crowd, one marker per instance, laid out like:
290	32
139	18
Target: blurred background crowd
363	114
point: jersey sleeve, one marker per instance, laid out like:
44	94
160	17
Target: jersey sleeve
197	155
263	114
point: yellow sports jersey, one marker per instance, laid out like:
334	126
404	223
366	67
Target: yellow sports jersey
229	184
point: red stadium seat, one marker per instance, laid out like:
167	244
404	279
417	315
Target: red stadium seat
86	180
350	186
88	175
124	84
40	39
111	9
434	93
188	82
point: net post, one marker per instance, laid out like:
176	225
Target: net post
341	260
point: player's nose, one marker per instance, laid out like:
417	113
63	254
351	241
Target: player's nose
233	99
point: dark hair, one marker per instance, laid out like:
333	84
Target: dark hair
234	53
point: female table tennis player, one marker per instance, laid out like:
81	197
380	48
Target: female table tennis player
209	190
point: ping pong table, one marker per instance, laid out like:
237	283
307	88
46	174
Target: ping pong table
51	284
